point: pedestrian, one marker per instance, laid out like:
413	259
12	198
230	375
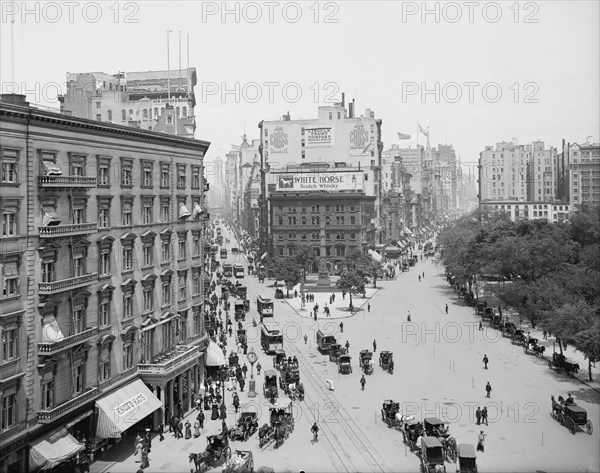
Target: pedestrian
423	274
545	334
259	367
171	423
488	389
484	417
481	441
295	293
145	459
341	327
305	341
478	415
374	346
347	346
244	370
363	381
485	361
446	309
242	383
368	307
201	418
236	402
408	317
161	431
180	410
419	278
188	430
480	325
180	429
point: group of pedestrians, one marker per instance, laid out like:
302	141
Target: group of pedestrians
143	446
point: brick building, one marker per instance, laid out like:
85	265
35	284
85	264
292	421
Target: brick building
101	268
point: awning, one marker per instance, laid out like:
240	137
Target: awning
51	331
183	211
197	211
53	450
375	256
124	408
51	169
50	218
214	355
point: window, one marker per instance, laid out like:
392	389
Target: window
291	220
9	272
104	362
165	210
303	236
145	114
166	251
195	177
280	220
181	176
79	379
127	306
165	175
340	250
103	217
197	283
353	236
328	251
109	115
327	220
184	111
99	117
316	220
127	259
10	343
148	298
98	104
314	236
78	265
182	285
10	164
352	220
303	220
148	255
147	212
281	250
47	393
127	211
126	172
9	223
128	355
197	322
166	292
103	164
182	241
78	320
315	208
104	256
196	244
123	115
104	313
47	271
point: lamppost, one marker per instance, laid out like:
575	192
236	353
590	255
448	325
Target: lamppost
252	358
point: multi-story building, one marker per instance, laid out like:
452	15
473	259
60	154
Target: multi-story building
518	172
584	175
444	163
101	268
335	139
519	210
331	211
137	99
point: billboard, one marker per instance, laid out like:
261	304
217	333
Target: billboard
322	181
322	136
360	140
278	140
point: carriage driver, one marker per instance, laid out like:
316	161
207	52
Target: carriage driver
570	401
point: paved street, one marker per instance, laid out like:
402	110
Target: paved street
438	372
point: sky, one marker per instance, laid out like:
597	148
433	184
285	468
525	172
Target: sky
476	73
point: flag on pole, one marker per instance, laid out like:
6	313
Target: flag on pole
403	136
426	133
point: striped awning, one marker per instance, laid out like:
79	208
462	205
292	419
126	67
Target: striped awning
51	331
183	211
197	211
50	218
53	450
124	408
51	169
214	355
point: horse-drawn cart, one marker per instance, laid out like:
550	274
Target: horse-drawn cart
559	363
389	410
246	426
432	455
217	451
242	461
386	361
366	361
467	460
334	352
532	347
411	431
571	415
270	385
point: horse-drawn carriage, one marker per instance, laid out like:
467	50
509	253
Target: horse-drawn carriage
435	427
279	359
559	363
432	455
281	423
467	460
240	309
366	361
518	338
242	461
532	347
288	376
241	337
508	329
217	451
479	307
234	359
411	431
344	364
246	425
270	385
389	411
488	313
386	361
570	415
334	352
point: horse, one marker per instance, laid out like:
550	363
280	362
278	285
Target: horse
450	447
198	460
263	434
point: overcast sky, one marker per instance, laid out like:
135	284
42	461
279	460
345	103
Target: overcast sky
533	67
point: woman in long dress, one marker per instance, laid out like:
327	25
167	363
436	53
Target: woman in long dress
188	430
197	428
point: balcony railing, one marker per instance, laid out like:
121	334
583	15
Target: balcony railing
50	415
59	231
164	364
67	284
51	348
66	182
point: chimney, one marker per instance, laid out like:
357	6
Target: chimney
353	108
14	99
343	99
350	110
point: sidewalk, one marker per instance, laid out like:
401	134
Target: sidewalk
338	310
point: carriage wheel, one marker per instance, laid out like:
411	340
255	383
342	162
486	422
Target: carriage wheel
589	427
560	417
246	435
571	425
382	416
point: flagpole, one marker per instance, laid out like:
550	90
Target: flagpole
168	70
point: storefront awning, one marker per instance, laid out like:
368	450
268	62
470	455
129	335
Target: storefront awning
53	450
214	355
51	168
183	211
375	256
50	218
197	211
124	408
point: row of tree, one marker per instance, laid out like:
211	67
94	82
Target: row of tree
548	272
357	269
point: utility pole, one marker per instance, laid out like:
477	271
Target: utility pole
168	69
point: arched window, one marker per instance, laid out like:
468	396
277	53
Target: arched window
123	115
169	119
131	114
184	111
156	113
145	114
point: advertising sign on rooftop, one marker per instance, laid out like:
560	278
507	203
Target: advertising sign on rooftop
323	181
318	136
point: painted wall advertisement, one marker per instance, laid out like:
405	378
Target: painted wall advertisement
318	136
361	141
278	141
323	181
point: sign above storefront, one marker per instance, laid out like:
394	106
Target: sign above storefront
322	181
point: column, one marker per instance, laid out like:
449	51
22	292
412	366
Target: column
170	391
180	390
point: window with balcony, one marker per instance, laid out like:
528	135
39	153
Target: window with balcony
316	220
78	379
291	220
103	165
77	164
10	166
181	176
47	390
327	220
9	274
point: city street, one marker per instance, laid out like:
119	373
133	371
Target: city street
438	373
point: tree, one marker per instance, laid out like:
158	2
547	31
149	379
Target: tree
351	282
288	271
588	342
306	256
